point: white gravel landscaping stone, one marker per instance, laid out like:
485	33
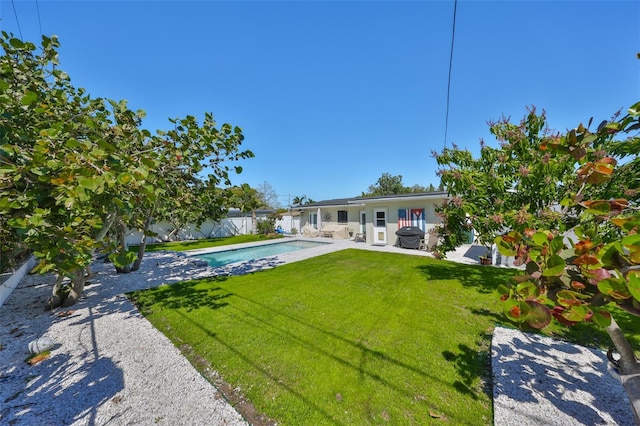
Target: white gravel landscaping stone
543	381
109	364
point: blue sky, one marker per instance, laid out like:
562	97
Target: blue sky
332	94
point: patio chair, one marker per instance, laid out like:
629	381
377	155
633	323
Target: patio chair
428	243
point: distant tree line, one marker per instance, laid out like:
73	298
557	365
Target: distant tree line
392	185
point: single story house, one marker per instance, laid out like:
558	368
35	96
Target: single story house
378	218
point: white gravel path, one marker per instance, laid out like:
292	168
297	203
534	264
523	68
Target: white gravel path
109	365
544	381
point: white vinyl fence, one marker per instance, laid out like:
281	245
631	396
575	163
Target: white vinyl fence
210	229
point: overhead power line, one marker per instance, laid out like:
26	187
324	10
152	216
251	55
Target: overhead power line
39	21
453	37
15	13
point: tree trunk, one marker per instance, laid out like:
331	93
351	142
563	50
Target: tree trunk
143	244
628	363
628	366
65	296
254	225
106	227
56	293
123	246
78	281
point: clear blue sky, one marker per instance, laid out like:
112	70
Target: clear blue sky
332	94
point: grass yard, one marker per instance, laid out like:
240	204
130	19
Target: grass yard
349	338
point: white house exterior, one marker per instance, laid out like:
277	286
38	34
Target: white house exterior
378	218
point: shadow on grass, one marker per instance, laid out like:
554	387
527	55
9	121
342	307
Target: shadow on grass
473	367
232	394
592	336
183	295
485	278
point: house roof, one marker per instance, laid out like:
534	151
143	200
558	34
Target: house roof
355	201
234	212
336	202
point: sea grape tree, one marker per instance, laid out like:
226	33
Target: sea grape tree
58	166
76	172
572	276
193	164
565	206
505	185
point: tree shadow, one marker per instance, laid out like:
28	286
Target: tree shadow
78	378
61	389
544	373
248	267
485	279
183	295
474	252
473	366
592	336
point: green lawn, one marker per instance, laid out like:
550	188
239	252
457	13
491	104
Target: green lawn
353	337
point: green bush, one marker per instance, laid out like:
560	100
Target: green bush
266	226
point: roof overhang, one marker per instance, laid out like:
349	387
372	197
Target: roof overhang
404	197
363	201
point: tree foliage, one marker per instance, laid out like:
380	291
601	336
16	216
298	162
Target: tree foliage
484	191
392	185
298	200
301	200
77	172
548	200
247	199
60	166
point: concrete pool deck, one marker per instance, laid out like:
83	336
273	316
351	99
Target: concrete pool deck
465	254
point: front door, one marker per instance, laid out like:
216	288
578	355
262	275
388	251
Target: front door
380	226
363	223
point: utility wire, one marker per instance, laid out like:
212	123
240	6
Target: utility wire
39	21
453	35
17	21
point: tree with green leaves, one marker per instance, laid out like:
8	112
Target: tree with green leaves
298	200
179	193
392	185
386	185
59	167
483	191
550	203
76	172
247	199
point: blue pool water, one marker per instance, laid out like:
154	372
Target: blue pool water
226	257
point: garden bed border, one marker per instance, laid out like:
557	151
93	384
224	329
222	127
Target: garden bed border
7	287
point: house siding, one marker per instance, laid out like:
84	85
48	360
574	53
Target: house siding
426	202
353	214
392	208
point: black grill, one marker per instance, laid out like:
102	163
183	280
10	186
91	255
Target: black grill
409	237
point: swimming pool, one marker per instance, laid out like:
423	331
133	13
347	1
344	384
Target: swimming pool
225	257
